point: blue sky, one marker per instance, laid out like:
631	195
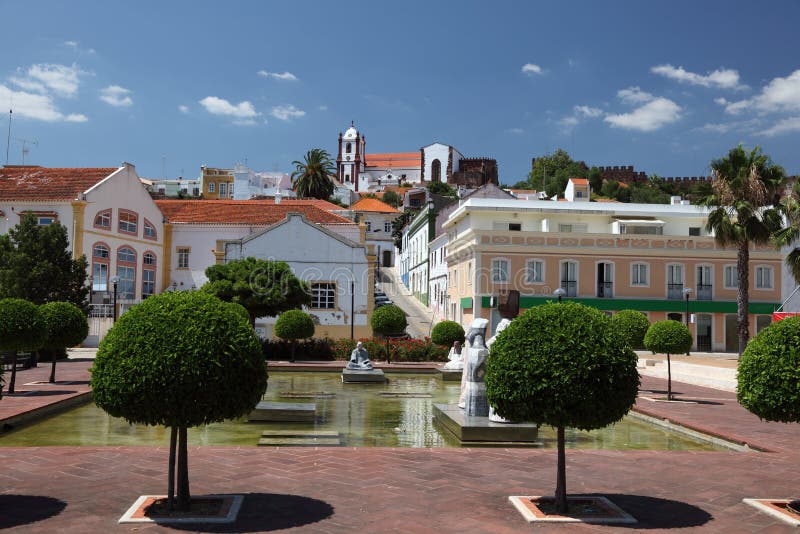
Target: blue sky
663	86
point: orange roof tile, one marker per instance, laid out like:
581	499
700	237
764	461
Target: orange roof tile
257	212
395	160
373	205
31	182
579	181
321	204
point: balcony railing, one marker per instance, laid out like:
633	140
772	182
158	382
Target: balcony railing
704	291
605	290
675	291
571	287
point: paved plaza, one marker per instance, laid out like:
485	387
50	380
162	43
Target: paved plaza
86	489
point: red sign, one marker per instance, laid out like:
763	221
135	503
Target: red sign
777	316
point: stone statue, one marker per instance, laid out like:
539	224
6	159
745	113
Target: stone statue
475	403
456	362
500	327
359	359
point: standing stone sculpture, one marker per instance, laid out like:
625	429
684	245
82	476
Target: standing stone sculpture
359	359
500	327
475	402
456	361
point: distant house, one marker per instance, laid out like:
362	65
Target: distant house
378	217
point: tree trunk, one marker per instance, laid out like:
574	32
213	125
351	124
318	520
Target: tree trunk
387	351
743	295
53	367
184	497
13	372
561	475
669	379
293	346
173	438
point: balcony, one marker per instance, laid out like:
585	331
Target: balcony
571	288
675	291
704	291
605	290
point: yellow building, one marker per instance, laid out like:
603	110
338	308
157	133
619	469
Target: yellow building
216	183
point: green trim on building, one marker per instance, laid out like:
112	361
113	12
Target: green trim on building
649	305
466	302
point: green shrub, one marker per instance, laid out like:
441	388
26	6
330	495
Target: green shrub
668	337
561	364
294	324
66	327
179	359
22	327
632	325
388	320
769	373
447	332
309	349
402	350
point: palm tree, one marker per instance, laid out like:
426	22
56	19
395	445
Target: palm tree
789	235
312	176
744	189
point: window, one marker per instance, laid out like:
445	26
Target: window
211	186
148	282
640	274
126	254
128	222
348	148
535	271
127	281
694	230
323	296
368	225
100	251
183	257
103	220
569	278
640	229
436	171
570	228
149	258
223	189
499	271
149	230
763	277
675	282
99	276
45	220
469	273
731	277
578	194
387	227
514	227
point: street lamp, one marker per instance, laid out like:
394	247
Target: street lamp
115	281
559	292
687	291
91	289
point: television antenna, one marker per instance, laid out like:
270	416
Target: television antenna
25	149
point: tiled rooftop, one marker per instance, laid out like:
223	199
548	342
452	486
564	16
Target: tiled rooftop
397	159
260	212
373	205
31	182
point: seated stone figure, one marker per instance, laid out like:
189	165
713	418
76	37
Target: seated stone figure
359	359
456	361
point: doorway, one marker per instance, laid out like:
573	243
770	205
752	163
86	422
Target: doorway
704	335
731	334
387	258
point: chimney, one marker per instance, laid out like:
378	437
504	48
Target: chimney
278	197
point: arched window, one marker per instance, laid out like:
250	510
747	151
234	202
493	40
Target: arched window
436	171
103	220
148	274
126	271
100	254
149	230
128	222
348	148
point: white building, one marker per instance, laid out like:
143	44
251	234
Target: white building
413	258
378	217
248	184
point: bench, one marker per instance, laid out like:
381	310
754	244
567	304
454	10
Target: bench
24	360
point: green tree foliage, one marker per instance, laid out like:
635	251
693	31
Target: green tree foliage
263	287
562	365
293	325
312	177
66	326
179	359
745	185
399	224
551	173
37	265
769	373
668	337
393	199
632	325
447	332
443	189
21	328
387	321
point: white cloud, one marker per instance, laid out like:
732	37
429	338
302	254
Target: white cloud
116	96
588	112
720	78
60	79
515	131
183	109
780	94
579	113
71	44
220	106
323	108
38	107
789	124
732	126
75	46
285	76
654	112
531	69
286	113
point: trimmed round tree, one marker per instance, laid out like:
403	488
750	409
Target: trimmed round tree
769	375
21	328
668	337
447	332
388	321
293	325
562	365
179	359
66	327
632	325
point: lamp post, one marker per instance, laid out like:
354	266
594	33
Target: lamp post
91	290
687	291
115	281
559	292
